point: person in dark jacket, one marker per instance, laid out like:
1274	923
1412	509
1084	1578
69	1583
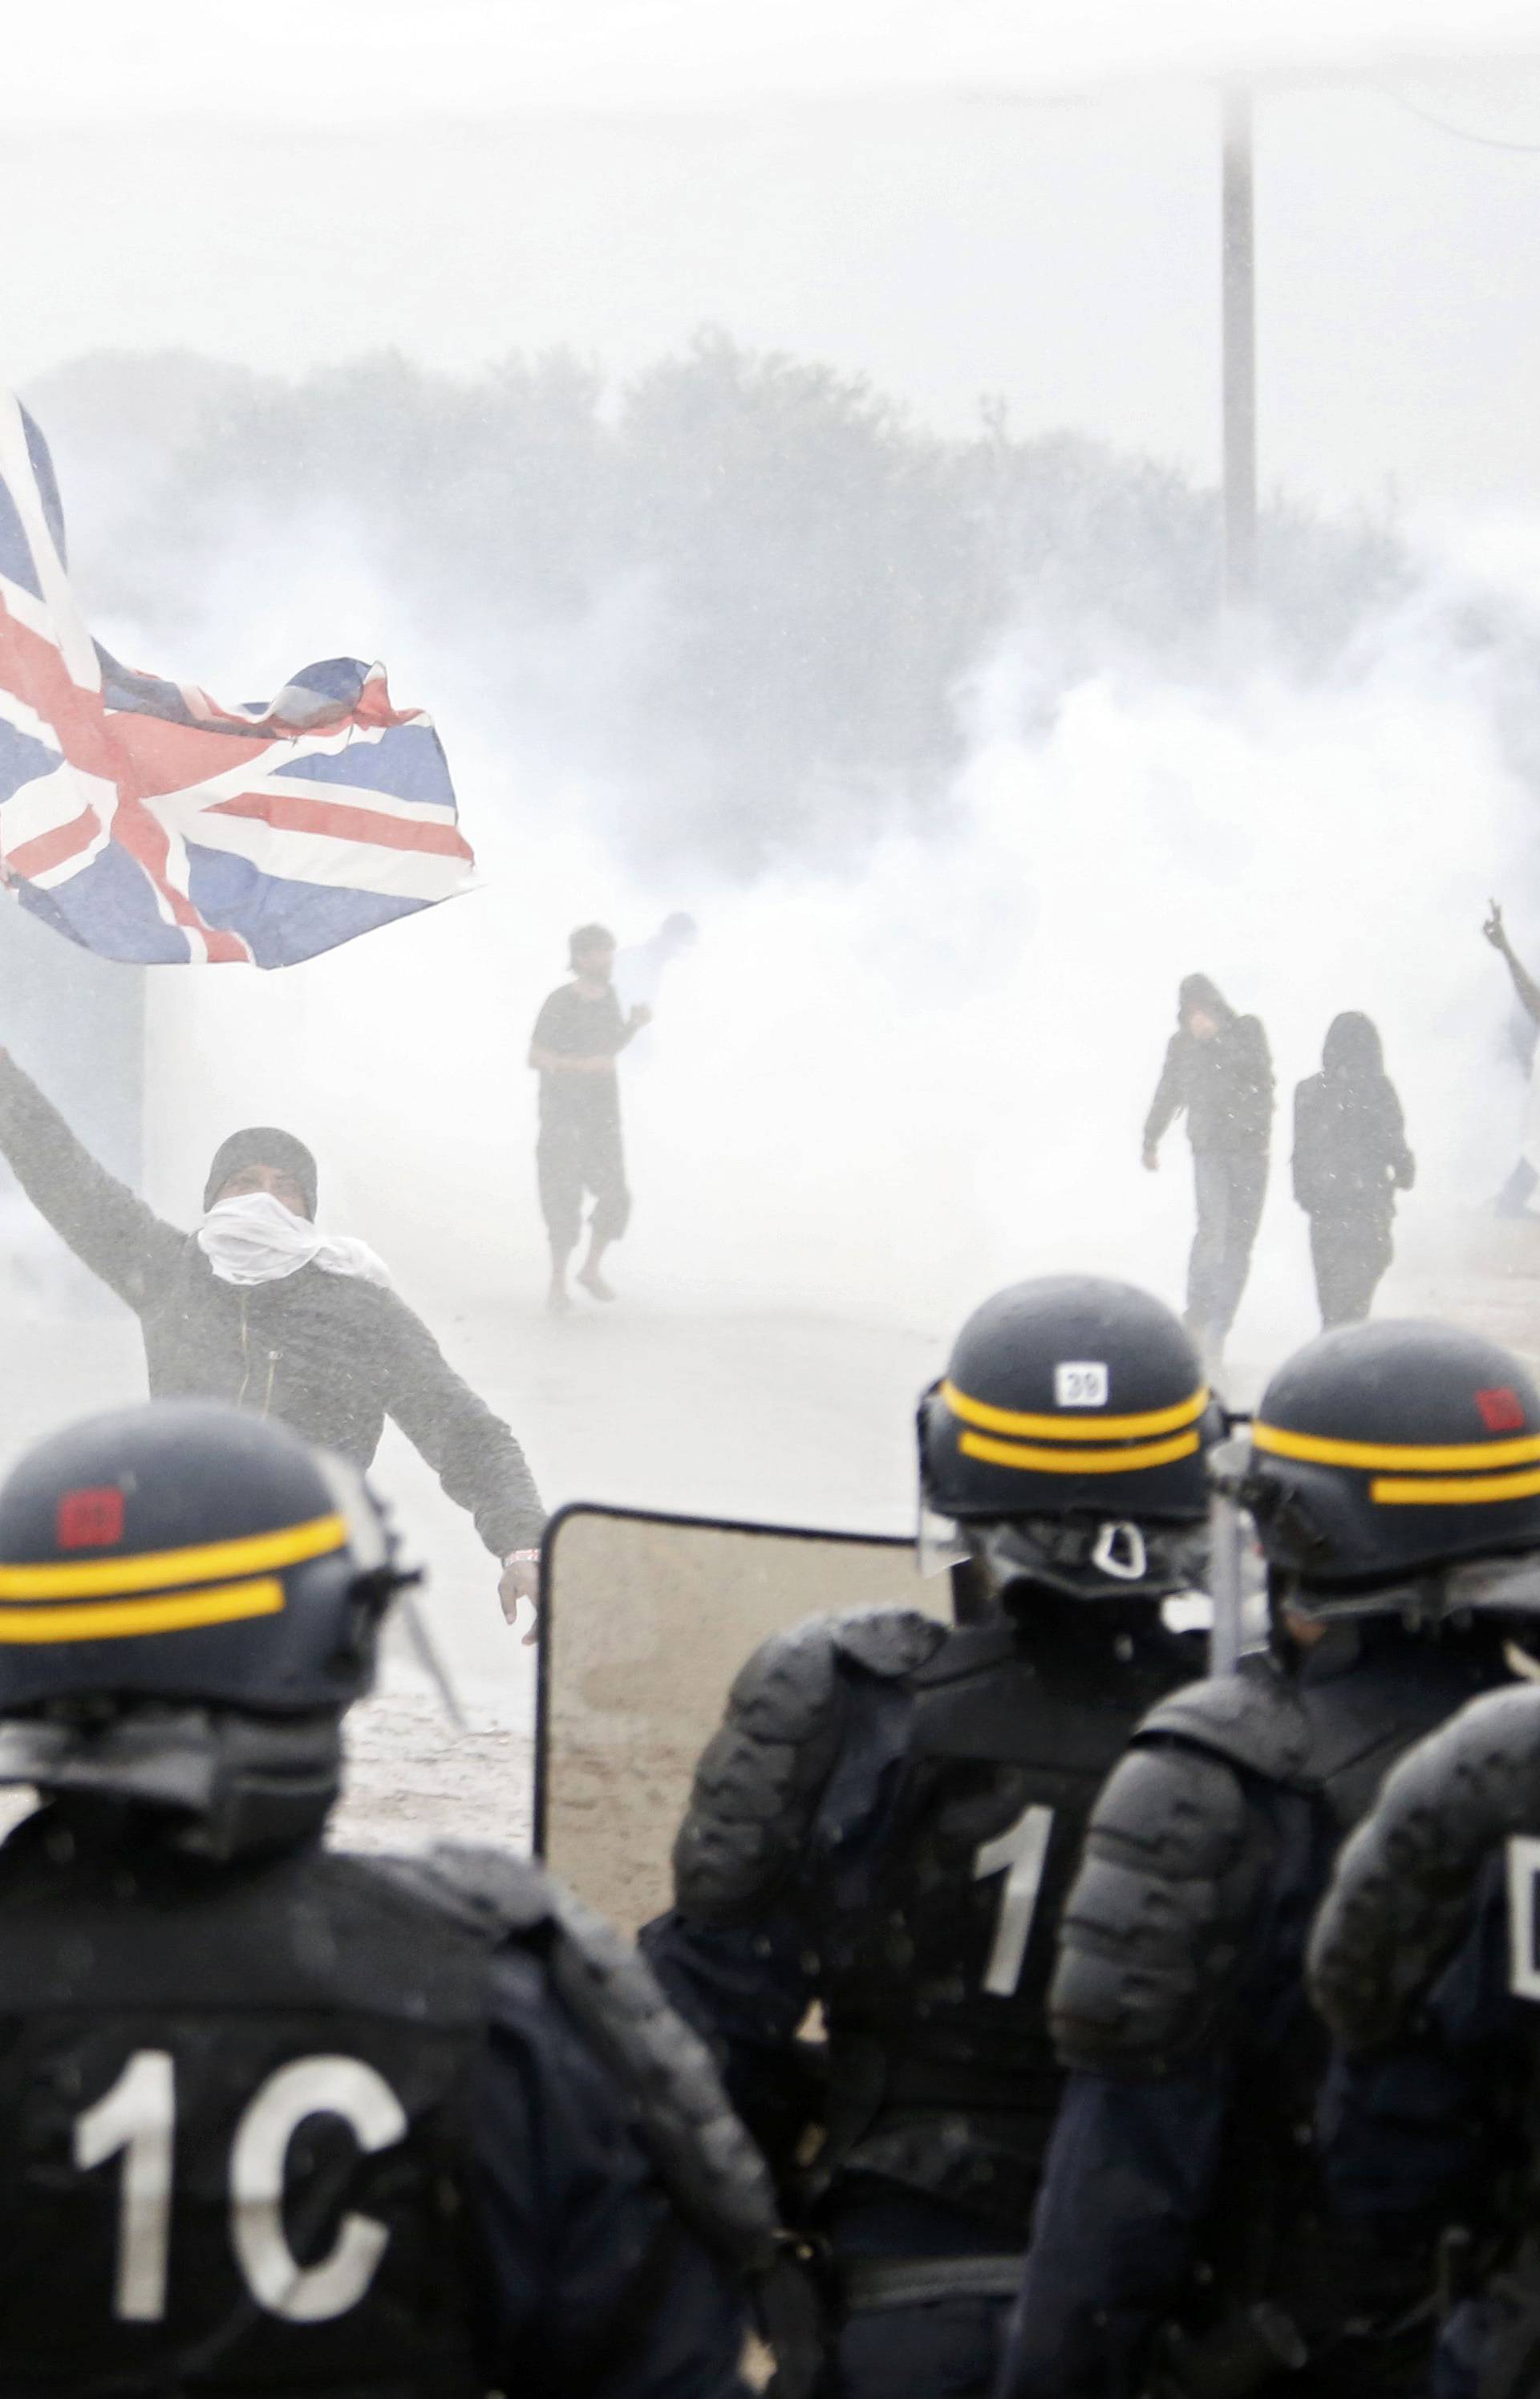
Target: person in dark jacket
1350	1159
277	2118
1217	1070
258	1309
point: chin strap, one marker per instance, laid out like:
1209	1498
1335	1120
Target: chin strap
226	1784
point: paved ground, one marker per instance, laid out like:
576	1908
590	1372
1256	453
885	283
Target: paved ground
792	1419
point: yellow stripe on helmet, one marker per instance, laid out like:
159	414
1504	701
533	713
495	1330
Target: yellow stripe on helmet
1470	1491
118	1620
1077	1461
1077	1423
1317	1449
165	1569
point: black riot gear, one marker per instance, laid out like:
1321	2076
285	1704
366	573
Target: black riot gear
1425	1961
1390	1472
1383	1455
1074	1409
890	1813
190	1596
185	1551
279	2119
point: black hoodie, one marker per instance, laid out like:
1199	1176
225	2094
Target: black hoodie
1225	1085
1349	1144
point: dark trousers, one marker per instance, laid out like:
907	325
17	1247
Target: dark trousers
578	1153
949	2349
934	2349
1350	1250
1230	1186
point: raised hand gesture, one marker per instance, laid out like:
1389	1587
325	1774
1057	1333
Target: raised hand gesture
1492	928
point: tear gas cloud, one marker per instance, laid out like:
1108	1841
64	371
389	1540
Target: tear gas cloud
879	1086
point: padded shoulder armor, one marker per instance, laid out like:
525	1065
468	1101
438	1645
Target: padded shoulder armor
1253	1718
889	1641
1152	1937
1399	1899
760	1777
706	2162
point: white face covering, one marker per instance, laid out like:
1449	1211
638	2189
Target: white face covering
256	1239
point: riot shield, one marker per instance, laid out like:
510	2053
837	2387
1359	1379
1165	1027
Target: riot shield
646	1619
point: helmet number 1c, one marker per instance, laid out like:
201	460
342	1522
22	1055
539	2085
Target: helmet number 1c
136	2120
1021	1852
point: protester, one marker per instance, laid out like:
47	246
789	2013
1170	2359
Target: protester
257	1308
1513	1199
578	1035
1350	1159
1219	1071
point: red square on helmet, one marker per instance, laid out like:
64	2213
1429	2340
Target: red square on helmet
1502	1409
90	1520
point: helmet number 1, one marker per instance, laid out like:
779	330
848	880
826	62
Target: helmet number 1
1523	1866
136	2120
1020	1853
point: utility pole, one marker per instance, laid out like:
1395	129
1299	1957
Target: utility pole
1239	277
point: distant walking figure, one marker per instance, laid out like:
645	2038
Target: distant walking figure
578	1035
1218	1069
1350	1159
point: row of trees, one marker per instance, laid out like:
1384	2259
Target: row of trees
742	587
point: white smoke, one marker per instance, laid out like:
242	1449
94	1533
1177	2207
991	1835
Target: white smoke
880	1094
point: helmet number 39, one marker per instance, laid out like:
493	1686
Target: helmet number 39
136	2120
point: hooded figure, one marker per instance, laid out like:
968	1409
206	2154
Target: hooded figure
257	1308
1350	1159
1217	1071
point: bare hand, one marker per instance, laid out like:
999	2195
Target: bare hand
1492	928
1151	1161
520	1582
639	1016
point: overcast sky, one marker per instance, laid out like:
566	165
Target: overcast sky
924	195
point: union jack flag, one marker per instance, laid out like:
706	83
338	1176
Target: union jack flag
149	823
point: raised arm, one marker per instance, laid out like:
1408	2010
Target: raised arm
104	1223
1523	983
472	1452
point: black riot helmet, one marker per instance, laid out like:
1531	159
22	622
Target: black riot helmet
1396	1466
190	1598
1067	1441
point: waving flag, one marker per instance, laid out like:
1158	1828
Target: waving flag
147	823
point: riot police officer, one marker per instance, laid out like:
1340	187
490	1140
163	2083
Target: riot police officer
888	1817
1425	1963
274	2118
1182	2242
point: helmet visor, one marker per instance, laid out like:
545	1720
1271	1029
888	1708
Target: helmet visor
1088	1557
